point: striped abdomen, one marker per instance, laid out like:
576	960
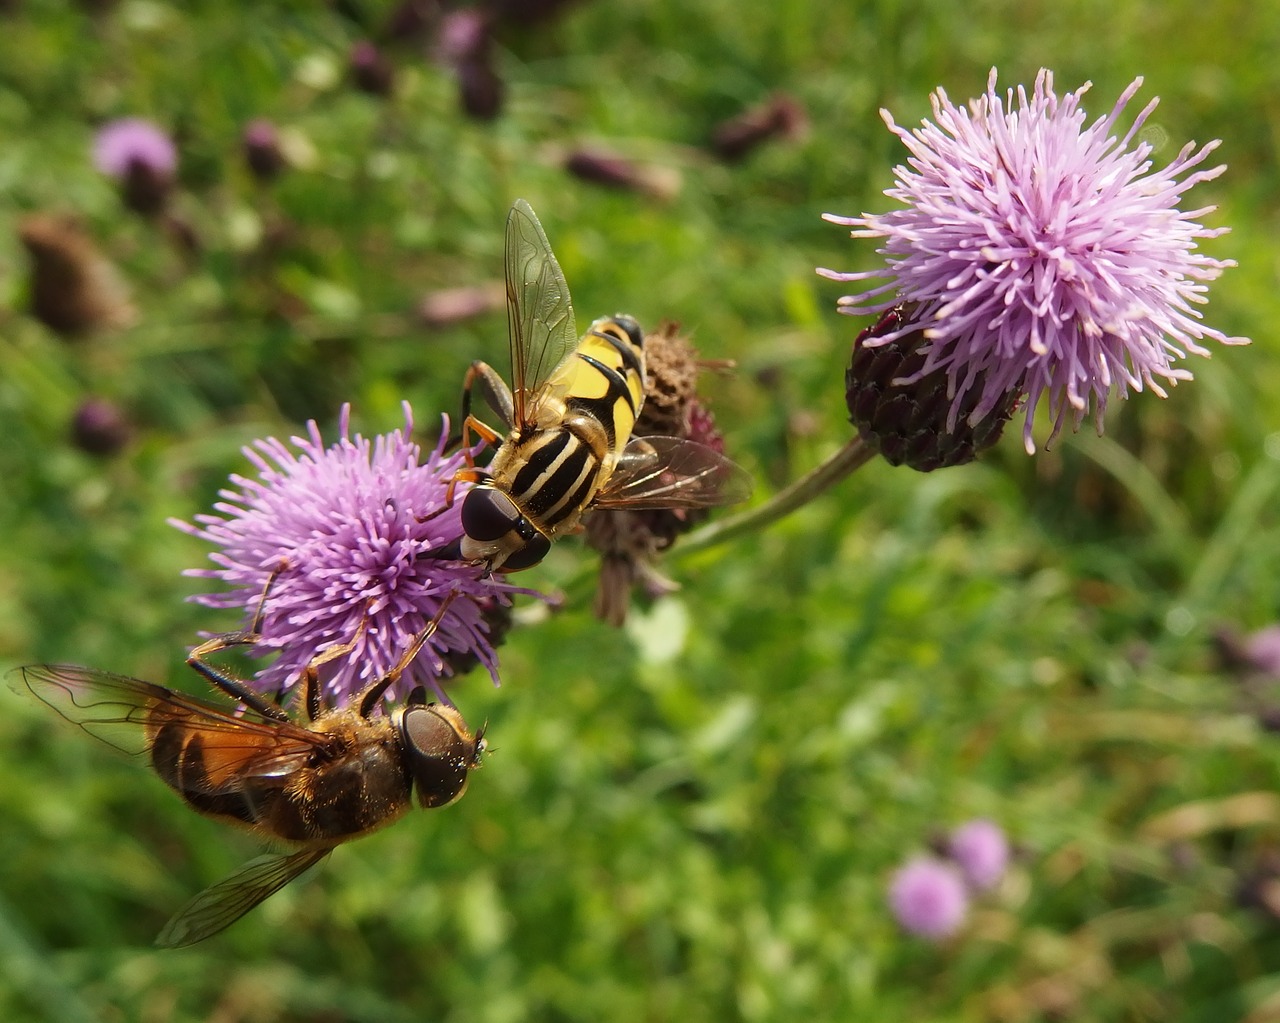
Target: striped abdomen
354	784
584	420
548	469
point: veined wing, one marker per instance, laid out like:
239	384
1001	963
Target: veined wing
220	905
668	472
126	712
540	322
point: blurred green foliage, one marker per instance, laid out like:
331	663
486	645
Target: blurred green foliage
693	818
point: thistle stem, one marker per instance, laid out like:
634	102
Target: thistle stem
813	483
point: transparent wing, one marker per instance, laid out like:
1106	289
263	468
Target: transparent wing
125	712
667	472
540	321
220	905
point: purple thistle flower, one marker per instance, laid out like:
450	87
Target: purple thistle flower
981	851
1044	257
928	898
122	143
344	525
1262	650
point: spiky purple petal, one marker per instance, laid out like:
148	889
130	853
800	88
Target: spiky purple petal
345	525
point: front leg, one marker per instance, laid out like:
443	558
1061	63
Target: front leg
497	395
227	682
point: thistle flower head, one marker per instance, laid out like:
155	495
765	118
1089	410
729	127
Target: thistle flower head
1043	255
981	851
142	157
928	898
337	532
131	141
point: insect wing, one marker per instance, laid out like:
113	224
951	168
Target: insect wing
540	320
126	712
669	472
220	905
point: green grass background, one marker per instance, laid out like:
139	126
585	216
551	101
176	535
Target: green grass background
693	818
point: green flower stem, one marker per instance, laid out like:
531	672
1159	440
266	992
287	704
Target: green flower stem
817	481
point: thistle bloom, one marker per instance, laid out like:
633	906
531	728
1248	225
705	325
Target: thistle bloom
342	527
981	851
928	898
1039	255
132	140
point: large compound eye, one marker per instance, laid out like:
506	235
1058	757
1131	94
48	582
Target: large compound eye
441	751
488	514
534	550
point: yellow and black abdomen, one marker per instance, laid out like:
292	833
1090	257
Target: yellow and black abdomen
548	469
553	473
604	380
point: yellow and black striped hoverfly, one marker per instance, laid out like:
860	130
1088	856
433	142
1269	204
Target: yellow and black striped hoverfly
569	415
311	786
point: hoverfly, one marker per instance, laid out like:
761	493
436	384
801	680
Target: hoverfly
342	774
569	415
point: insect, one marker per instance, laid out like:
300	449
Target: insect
569	415
342	774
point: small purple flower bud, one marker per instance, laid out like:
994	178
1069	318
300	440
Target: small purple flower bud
905	411
981	851
1262	650
928	898
262	152
480	89
99	427
464	35
370	70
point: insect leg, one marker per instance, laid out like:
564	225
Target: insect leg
370	697
497	395
227	682
311	688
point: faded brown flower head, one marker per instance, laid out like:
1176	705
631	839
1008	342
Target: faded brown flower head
75	290
630	541
779	117
615	171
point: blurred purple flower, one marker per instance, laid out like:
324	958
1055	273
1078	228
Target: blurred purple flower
1262	650
928	898
370	70
344	525
981	850
1043	257
261	143
130	140
142	157
100	427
